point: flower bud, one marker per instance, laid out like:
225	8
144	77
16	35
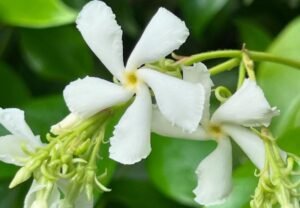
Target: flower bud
83	147
22	175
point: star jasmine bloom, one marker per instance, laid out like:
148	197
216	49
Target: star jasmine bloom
180	102
11	152
247	107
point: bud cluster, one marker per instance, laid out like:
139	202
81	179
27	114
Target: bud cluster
68	162
279	180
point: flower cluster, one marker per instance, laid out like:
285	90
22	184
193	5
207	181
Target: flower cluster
160	96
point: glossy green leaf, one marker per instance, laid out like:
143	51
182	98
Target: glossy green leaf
290	141
5	35
125	16
57	53
244	183
281	83
12	198
136	193
290	138
35	13
198	13
77	4
13	90
253	35
172	165
7	171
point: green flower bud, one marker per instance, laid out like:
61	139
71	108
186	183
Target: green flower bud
83	147
22	175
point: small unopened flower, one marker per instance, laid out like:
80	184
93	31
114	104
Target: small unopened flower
247	107
179	101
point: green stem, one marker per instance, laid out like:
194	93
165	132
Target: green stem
225	66
261	56
254	55
242	74
210	55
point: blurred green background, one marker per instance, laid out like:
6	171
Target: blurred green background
41	51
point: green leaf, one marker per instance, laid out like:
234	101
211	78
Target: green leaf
5	35
244	183
41	113
7	170
57	53
35	13
198	13
14	91
290	138
125	16
140	191
253	35
290	141
281	83
172	165
12	198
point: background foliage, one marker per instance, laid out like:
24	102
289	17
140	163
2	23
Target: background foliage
41	51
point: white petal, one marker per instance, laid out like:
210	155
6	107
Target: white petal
82	201
13	120
214	175
179	101
89	95
98	26
250	143
162	126
11	151
54	198
198	73
65	125
31	197
164	34
131	140
247	106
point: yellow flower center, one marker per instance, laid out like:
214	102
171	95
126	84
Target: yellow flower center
131	79
215	131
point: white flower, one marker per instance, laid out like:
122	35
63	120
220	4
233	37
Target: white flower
11	151
247	107
179	101
21	135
